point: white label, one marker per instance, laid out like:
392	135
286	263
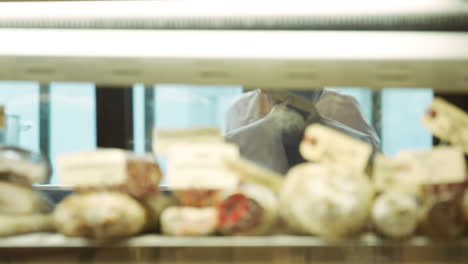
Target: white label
165	138
251	172
326	145
201	166
93	168
409	169
396	174
447	122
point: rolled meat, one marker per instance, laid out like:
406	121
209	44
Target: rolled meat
189	221
100	215
396	214
325	200
251	210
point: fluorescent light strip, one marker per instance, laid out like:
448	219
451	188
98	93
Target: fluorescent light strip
266	59
234	44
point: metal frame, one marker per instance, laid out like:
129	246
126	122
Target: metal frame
149	111
114	117
264	59
44	119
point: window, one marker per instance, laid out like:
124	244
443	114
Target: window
71	114
72	119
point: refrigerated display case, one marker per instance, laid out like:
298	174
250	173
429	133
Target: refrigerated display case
196	57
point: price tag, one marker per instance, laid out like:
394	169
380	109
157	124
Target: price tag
447	122
105	167
408	170
326	145
164	138
201	166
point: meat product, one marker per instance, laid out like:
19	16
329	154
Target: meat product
442	210
326	200
251	210
198	197
19	224
110	169
396	214
465	206
18	199
101	215
189	221
155	205
22	166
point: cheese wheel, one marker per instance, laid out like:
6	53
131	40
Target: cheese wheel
325	200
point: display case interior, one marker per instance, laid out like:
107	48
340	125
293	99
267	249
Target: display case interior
236	132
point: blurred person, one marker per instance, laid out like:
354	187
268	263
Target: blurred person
268	128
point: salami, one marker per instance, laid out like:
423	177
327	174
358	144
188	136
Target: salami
251	210
443	214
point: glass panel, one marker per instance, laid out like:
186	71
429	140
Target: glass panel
401	121
179	106
139	118
191	105
72	119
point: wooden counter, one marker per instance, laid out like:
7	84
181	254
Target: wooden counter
55	248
